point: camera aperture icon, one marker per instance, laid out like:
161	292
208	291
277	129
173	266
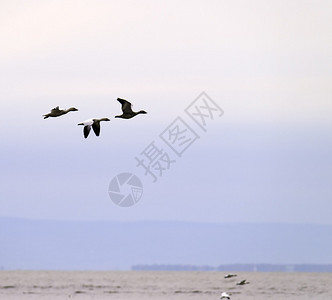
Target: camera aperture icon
125	189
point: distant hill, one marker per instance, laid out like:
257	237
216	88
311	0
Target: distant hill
102	245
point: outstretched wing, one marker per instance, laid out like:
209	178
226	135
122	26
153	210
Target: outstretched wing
96	128
126	106
55	109
86	130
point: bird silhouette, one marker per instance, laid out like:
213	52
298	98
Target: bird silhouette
94	123
230	275
243	282
127	112
56	112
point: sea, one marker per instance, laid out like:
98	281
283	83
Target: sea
181	285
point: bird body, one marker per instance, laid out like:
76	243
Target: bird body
127	112
243	282
230	275
94	123
224	295
56	112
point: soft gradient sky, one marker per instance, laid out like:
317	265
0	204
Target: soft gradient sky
266	63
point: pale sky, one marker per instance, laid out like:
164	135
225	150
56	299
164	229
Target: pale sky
267	64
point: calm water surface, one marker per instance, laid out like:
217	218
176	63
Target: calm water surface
142	285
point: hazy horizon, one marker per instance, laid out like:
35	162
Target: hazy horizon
119	245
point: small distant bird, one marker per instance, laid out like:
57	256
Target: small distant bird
56	112
94	123
230	275
243	282
127	112
224	295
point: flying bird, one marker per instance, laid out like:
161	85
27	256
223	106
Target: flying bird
243	282
224	295
230	275
94	123
127	112
56	112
